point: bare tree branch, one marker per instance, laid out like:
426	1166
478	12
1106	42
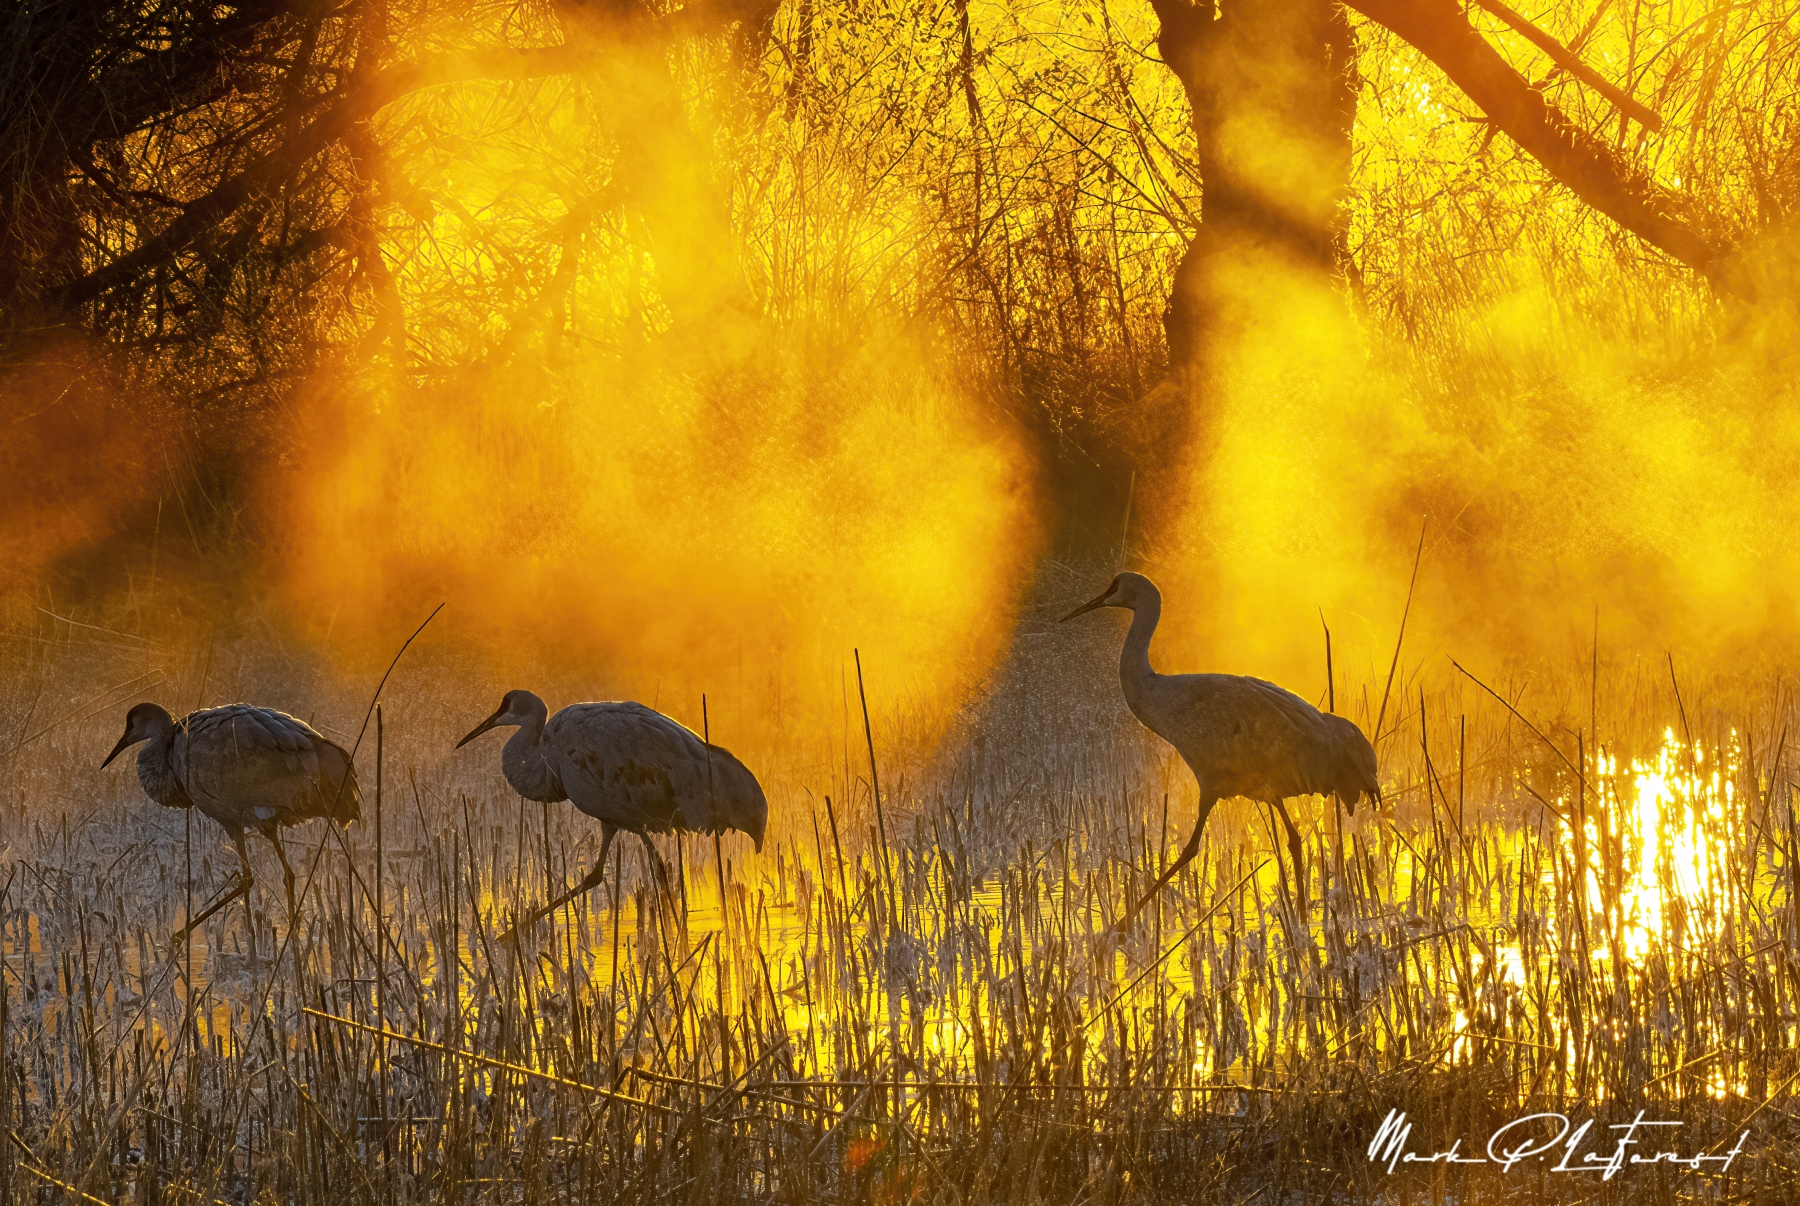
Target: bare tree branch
340	116
1592	170
1563	57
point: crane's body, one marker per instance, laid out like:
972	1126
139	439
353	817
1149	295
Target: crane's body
250	769
1240	736
629	767
1247	737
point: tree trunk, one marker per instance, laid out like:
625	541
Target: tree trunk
1269	85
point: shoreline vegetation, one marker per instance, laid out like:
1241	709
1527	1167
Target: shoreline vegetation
943	1016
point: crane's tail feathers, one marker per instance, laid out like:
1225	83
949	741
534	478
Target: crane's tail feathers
735	800
340	795
347	807
1355	795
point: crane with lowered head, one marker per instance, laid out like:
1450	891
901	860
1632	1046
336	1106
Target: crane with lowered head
629	767
249	769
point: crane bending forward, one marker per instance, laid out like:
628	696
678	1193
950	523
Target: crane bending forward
629	768
247	768
1240	736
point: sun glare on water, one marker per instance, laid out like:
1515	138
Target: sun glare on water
1658	849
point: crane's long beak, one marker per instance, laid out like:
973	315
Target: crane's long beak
479	729
124	744
1088	606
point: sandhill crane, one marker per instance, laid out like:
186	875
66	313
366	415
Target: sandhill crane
246	768
1240	736
627	766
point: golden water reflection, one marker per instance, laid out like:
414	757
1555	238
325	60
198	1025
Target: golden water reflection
854	961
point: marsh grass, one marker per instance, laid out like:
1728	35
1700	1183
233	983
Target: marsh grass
1594	929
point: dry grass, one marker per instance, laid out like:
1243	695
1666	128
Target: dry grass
940	1016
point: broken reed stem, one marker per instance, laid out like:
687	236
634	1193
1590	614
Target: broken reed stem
1681	708
875	783
893	918
719	867
381	984
1394	665
1330	679
487	1061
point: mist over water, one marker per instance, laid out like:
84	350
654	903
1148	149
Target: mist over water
735	531
672	386
1554	471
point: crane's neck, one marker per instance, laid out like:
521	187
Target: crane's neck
156	772
1135	674
526	762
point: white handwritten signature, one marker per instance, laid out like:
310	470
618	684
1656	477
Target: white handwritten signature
1524	1138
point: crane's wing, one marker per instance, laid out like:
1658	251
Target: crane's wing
635	768
1330	755
253	767
1247	736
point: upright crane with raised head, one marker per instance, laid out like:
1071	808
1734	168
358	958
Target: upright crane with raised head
1240	736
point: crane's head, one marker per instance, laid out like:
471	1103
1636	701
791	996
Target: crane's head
143	722
1128	590
516	707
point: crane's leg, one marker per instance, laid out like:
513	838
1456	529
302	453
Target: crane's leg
1294	848
608	832
1181	860
287	878
243	853
241	888
661	868
237	840
1281	871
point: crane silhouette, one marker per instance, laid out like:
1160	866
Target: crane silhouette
630	768
1240	736
247	768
